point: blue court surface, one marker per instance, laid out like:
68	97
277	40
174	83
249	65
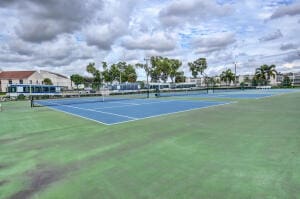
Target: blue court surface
241	94
129	110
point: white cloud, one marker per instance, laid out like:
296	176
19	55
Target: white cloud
288	46
181	11
271	36
158	41
286	10
45	35
212	43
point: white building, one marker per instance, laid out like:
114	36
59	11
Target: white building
199	81
32	77
294	77
246	79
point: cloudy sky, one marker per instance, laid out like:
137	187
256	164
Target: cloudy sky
65	35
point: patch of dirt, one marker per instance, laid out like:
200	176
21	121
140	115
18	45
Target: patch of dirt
2	166
8	140
40	179
3	182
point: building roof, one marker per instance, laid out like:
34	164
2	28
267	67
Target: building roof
57	74
15	74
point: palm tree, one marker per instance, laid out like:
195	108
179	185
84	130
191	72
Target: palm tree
227	76
264	73
271	72
260	75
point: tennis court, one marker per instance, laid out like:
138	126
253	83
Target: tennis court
114	112
115	109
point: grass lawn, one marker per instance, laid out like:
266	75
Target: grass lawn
250	149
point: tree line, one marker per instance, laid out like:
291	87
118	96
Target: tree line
162	69
159	70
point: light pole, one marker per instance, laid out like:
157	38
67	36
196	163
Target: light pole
121	71
235	65
235	73
147	74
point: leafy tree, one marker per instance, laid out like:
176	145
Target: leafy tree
96	75
227	76
179	77
155	69
173	70
77	79
114	73
88	81
122	70
47	81
90	68
162	68
106	73
130	74
198	66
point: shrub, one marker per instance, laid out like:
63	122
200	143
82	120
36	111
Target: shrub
21	97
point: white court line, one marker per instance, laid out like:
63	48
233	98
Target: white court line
76	115
135	104
165	114
273	95
122	103
94	111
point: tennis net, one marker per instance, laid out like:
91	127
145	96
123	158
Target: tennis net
69	99
230	89
181	92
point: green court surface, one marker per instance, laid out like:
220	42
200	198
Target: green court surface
249	149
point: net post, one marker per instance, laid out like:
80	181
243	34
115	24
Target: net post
31	101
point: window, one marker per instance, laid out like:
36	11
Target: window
10	81
21	81
12	89
30	81
37	81
52	89
45	89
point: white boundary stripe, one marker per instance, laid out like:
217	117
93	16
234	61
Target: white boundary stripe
274	95
134	104
98	111
109	113
165	114
76	115
112	102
